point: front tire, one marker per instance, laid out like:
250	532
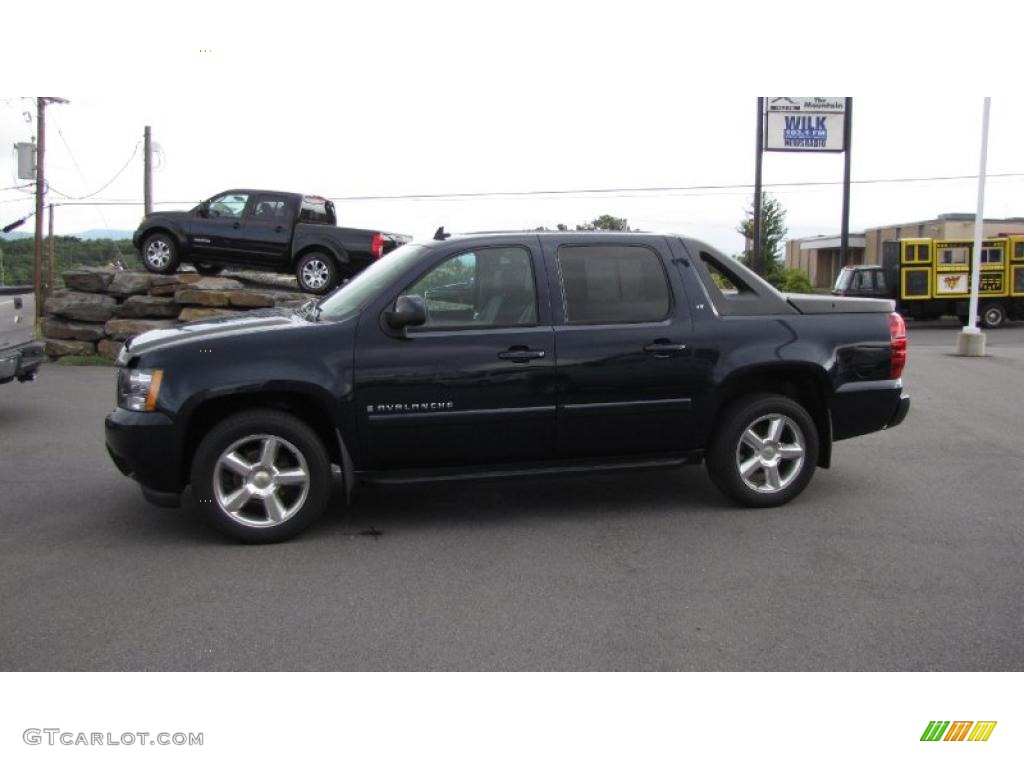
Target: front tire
764	451
993	316
160	254
317	273
261	476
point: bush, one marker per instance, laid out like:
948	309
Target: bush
791	281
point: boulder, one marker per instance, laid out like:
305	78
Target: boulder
62	347
123	327
291	298
188	314
166	285
216	284
206	298
129	283
250	299
148	306
55	328
88	279
109	349
76	305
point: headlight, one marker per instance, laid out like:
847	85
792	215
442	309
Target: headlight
138	389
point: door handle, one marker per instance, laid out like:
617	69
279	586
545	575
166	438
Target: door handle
521	354
236	225
279	228
663	348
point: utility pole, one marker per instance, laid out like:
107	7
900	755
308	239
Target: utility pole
147	174
37	255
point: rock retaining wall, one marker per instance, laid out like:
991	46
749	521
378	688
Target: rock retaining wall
100	309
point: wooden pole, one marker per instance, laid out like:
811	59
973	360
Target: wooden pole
50	279
37	251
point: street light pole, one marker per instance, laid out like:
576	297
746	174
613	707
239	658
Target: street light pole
971	341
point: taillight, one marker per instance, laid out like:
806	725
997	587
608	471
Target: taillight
898	339
377	246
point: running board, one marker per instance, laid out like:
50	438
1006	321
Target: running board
470	473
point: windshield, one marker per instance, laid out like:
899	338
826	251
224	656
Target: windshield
364	287
843	281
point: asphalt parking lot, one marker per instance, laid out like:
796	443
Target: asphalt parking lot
907	555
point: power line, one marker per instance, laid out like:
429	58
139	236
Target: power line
614	190
91	194
707	190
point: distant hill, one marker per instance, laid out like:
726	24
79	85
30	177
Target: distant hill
89	234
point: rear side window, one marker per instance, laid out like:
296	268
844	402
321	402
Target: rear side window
613	284
317	210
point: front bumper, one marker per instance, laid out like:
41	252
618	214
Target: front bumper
145	447
21	363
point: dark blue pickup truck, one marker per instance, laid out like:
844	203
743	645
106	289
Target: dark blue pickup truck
262	229
498	354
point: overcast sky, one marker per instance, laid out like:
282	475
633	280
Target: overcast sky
444	98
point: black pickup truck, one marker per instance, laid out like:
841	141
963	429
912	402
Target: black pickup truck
262	229
503	354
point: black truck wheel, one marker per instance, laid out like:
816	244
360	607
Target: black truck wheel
764	450
160	254
993	315
261	476
209	269
317	272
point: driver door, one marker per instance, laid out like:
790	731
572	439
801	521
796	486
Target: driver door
475	384
216	229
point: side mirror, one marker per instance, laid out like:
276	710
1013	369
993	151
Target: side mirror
408	311
203	210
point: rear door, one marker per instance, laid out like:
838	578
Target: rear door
626	371
475	384
267	228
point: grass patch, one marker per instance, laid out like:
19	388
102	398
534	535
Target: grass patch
84	360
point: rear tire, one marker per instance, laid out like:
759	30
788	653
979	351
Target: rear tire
764	450
317	273
160	254
993	316
261	476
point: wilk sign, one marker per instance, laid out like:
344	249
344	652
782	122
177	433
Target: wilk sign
805	124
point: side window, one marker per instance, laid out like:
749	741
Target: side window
613	284
862	281
950	256
485	288
879	280
270	208
991	255
229	206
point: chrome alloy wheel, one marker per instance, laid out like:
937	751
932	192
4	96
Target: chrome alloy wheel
261	481
158	254
770	453
315	274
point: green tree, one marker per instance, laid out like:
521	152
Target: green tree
773	231
604	222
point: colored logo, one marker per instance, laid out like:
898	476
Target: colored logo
958	730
